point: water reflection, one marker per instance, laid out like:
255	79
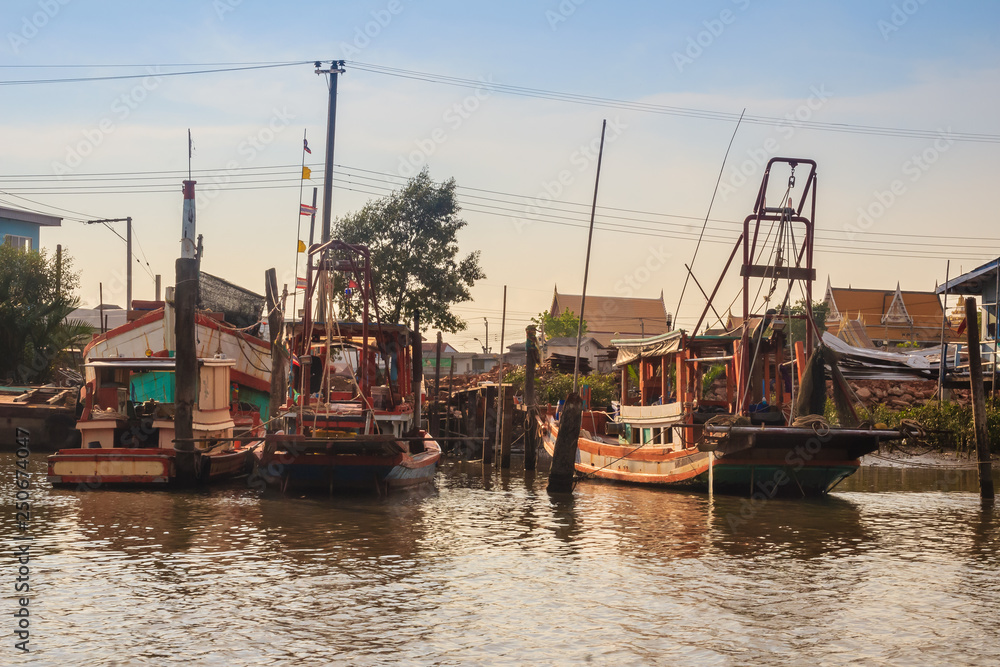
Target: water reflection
489	569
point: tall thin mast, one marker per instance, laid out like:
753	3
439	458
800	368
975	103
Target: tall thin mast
586	267
336	68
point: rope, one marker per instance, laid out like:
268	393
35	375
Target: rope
818	423
920	464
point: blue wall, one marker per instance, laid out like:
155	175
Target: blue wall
18	228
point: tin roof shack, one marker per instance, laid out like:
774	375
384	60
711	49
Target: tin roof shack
982	282
889	318
610	317
592	353
21	228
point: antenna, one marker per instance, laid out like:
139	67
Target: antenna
190	146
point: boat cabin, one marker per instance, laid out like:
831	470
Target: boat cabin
673	383
129	403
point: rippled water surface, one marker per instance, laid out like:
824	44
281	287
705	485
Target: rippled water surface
494	571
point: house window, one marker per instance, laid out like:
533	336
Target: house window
19	242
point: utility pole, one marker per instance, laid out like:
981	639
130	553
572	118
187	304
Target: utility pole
336	68
128	252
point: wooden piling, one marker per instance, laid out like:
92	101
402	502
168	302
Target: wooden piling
279	357
978	401
506	426
417	355
531	414
564	453
436	412
186	367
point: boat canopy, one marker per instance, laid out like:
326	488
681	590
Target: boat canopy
152	363
630	349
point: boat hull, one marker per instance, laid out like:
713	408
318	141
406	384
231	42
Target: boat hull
296	464
137	467
788	464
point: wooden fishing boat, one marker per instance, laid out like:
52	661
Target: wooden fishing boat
151	334
127	426
355	423
757	429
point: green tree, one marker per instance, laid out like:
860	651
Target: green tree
564	326
35	298
797	327
411	234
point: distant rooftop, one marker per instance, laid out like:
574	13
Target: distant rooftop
30	216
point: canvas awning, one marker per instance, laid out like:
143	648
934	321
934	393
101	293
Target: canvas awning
630	349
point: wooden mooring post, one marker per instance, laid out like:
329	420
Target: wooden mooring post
564	452
416	355
436	403
531	413
978	402
186	363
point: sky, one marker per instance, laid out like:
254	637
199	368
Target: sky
894	100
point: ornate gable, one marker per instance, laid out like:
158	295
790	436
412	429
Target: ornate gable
897	313
833	315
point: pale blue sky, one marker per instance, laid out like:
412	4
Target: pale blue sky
917	65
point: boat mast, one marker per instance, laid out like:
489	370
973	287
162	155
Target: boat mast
336	68
586	266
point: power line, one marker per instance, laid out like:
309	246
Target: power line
686	112
607	222
292	170
119	77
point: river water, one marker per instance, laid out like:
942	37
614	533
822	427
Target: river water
896	567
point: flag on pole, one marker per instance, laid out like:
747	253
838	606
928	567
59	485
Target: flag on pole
306	173
300	283
306	209
305	147
302	245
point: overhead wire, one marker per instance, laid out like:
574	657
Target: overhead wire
688	112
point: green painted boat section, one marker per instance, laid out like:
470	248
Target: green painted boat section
152	386
257	398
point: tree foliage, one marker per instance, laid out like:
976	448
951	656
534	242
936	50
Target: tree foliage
35	298
411	234
797	327
564	326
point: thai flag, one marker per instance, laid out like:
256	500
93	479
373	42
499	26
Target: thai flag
300	283
295	360
305	147
306	209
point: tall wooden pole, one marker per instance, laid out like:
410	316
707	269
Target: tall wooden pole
447	409
531	413
158	281
501	394
978	402
586	266
186	362
336	68
128	268
417	355
275	322
564	452
435	415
